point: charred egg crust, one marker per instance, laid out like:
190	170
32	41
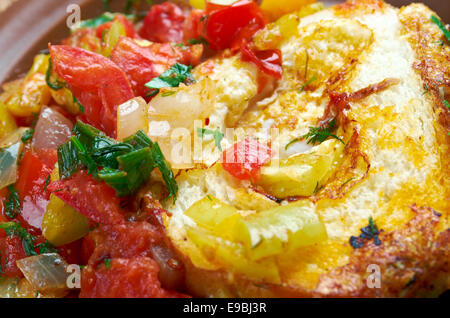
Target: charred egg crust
381	71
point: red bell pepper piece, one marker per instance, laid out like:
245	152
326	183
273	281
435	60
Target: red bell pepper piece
244	159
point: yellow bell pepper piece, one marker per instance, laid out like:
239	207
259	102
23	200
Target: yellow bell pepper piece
111	37
7	122
198	4
276	8
281	229
231	256
62	224
303	174
34	93
213	215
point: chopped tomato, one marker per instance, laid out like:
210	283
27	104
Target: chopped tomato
129	27
142	64
244	159
226	26
97	82
71	252
32	176
163	23
124	278
190	29
95	200
269	61
11	250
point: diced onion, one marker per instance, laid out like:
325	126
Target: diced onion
8	287
52	130
46	273
131	116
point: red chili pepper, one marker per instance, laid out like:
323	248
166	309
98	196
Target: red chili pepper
269	61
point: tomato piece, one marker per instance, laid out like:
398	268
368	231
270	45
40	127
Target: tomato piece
142	64
71	252
163	23
221	25
269	61
124	278
97	82
244	159
124	240
32	176
129	27
11	251
95	200
190	29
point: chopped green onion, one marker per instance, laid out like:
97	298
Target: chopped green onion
441	26
56	85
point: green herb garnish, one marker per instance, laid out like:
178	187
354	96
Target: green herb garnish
320	134
56	85
173	77
107	263
96	22
46	247
27	135
217	134
446	103
12	203
122	165
201	40
312	79
441	26
14	228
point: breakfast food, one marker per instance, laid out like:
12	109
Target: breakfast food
232	150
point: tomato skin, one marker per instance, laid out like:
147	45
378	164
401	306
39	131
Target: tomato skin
190	29
11	250
244	159
95	200
32	175
142	64
97	82
269	61
126	278
163	23
221	25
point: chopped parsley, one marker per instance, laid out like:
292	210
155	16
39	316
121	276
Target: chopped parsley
217	134
441	26
201	40
46	247
12	203
14	229
446	103
122	165
102	19
320	134
312	79
53	85
107	263
173	77
47	181
27	135
76	101
367	233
